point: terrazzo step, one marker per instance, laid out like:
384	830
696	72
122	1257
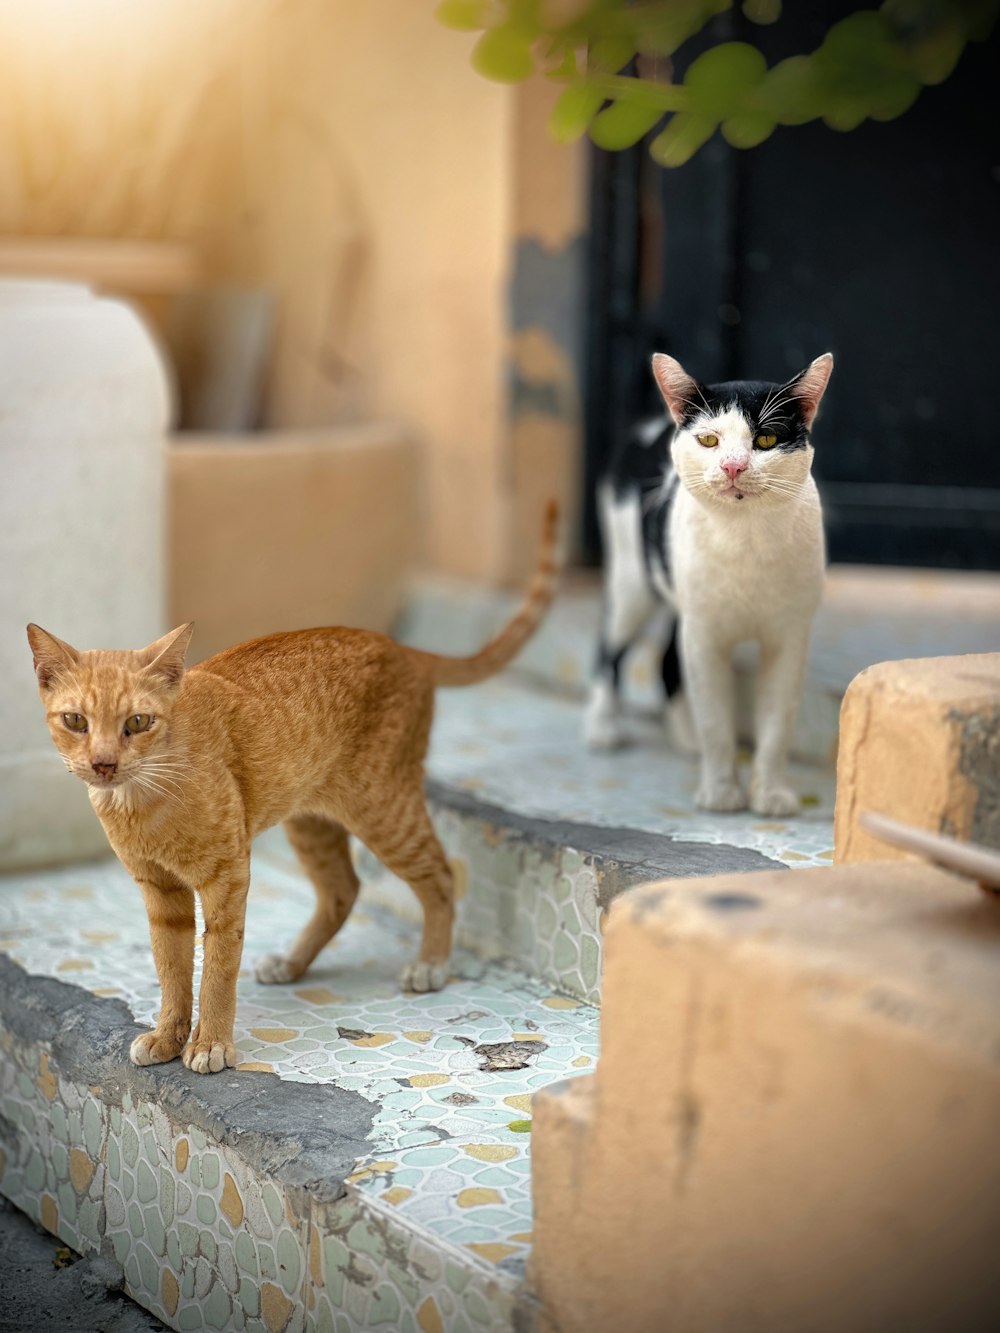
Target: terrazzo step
543	834
868	615
368	1162
366	1165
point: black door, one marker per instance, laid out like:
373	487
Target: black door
880	245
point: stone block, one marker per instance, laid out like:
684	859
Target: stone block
85	408
920	741
289	529
793	1121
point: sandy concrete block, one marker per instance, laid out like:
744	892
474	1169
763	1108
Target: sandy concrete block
793	1122
286	530
920	741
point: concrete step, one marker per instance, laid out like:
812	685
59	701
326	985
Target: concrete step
868	615
543	834
368	1163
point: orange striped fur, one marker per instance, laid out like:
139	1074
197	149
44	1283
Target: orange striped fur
325	730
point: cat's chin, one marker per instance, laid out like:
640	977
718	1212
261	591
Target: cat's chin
732	494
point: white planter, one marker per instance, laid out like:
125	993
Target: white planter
84	408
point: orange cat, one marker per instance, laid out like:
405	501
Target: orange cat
325	729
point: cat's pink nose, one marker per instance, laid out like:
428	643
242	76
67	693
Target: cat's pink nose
732	467
104	770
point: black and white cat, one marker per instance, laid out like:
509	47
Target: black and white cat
720	518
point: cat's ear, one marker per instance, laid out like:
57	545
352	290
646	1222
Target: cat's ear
165	657
809	386
680	390
51	656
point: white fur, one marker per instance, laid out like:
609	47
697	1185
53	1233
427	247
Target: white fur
744	568
274	969
628	603
746	559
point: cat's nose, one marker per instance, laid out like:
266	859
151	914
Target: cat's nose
732	467
104	770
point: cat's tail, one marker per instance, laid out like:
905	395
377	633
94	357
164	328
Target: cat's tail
504	646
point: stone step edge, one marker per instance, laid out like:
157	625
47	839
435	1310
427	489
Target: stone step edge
72	1050
534	891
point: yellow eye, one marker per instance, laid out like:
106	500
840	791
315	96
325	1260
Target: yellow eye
137	722
764	441
709	441
74	721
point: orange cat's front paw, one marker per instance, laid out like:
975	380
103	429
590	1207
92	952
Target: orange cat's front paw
155	1048
209	1057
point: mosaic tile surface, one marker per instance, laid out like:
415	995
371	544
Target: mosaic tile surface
517	748
436	1227
204	1242
449	1162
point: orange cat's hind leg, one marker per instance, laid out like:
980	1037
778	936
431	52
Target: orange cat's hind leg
322	847
406	844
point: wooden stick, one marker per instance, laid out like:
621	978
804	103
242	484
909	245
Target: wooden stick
965	858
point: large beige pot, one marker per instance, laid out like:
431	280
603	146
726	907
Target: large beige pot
84	407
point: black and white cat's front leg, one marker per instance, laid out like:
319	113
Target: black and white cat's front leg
628	603
677	707
779	691
623	619
710	683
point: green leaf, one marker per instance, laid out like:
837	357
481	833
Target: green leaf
624	124
520	1126
610	53
721	81
684	135
574	110
465	15
933	59
762	11
748	129
503	55
891	99
558	62
845	114
791	92
858	38
661	28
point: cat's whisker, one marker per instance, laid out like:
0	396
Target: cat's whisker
163	772
148	784
772	406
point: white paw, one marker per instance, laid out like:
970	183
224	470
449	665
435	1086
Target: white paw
209	1058
274	969
603	731
151	1048
418	976
139	1052
773	800
720	794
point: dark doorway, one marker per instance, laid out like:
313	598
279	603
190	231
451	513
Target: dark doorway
880	245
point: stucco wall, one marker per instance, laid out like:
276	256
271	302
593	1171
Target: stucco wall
344	156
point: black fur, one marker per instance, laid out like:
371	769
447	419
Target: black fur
642	464
767	407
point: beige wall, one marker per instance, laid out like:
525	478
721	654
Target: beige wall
344	156
543	451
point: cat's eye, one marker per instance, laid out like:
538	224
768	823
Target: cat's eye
74	721
766	441
709	441
137	722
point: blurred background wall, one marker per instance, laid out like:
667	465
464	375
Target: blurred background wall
342	175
